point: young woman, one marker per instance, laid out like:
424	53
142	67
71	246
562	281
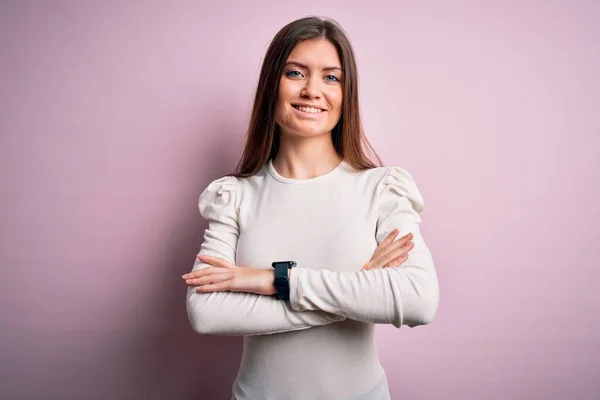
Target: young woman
300	256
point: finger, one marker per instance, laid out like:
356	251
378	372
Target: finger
389	253
200	272
209	279
403	241
393	246
217	287
386	258
400	253
388	239
195	273
388	244
208	259
396	262
371	266
366	266
214	261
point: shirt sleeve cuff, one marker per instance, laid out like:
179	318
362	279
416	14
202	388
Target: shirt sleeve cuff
295	290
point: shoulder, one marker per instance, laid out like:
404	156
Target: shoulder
384	176
224	184
232	190
396	183
397	175
220	196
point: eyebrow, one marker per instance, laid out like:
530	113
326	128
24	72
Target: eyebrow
305	67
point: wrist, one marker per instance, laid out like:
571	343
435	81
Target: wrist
271	279
281	278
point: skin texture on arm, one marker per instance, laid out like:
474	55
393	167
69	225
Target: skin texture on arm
404	295
238	313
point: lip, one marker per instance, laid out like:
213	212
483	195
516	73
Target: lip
308	115
308	105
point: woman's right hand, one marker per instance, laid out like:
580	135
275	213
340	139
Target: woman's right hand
390	253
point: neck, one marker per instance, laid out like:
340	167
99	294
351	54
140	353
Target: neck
306	157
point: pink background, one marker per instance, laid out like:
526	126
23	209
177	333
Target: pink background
116	115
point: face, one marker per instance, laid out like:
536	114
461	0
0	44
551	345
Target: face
310	90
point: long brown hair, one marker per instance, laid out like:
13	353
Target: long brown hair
262	138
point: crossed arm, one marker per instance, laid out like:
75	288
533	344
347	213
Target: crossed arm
402	295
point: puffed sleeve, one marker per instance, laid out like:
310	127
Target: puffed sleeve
237	313
404	295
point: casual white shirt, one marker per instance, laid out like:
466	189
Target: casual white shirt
319	344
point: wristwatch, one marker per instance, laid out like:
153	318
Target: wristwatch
282	283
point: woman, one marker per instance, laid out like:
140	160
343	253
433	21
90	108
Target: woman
304	191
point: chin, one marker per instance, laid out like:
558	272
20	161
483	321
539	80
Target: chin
309	132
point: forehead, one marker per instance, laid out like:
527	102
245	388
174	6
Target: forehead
315	53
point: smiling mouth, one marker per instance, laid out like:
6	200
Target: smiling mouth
311	110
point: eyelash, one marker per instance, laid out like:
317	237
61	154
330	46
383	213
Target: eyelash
289	75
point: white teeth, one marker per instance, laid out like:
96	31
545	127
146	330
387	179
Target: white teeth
309	109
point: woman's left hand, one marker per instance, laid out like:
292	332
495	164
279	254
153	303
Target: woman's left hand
225	276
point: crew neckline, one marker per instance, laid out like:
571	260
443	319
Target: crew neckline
319	178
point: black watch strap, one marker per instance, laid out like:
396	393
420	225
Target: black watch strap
282	283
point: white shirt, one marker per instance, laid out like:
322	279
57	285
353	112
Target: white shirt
319	344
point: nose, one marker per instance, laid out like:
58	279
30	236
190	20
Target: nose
311	88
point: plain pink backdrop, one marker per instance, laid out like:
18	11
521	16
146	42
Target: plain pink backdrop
115	115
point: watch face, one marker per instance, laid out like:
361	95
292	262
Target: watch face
288	264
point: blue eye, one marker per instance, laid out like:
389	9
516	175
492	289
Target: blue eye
293	74
335	78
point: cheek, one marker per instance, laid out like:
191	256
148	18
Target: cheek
281	101
286	90
335	99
